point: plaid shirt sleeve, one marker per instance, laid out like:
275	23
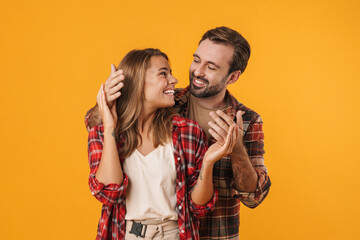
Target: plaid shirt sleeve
199	211
254	143
106	194
92	120
190	146
200	142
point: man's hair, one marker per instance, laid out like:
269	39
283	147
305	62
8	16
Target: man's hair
227	36
130	104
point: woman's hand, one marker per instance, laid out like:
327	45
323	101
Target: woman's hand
113	85
221	149
108	116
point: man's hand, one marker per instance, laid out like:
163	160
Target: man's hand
113	85
111	92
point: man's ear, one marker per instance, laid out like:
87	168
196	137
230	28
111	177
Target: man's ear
233	77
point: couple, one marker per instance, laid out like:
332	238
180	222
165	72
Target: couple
141	129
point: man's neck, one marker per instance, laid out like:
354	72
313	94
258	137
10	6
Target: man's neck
215	102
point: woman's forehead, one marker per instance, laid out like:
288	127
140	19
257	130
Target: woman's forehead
158	62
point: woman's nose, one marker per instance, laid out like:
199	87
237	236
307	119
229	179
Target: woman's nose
172	80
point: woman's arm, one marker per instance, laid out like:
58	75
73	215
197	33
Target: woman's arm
106	193
204	189
110	170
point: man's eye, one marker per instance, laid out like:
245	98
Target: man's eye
163	73
211	68
195	60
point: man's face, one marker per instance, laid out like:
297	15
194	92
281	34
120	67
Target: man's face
209	69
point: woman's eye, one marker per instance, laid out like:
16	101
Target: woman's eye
163	73
195	60
211	68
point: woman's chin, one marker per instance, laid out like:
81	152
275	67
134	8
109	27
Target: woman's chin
167	104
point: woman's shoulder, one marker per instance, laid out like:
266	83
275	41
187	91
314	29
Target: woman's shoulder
186	125
184	122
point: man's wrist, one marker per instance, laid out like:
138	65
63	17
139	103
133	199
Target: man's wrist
239	148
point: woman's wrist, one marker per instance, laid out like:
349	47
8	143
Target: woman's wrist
207	165
109	131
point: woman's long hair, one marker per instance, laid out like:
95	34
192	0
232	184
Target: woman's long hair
129	104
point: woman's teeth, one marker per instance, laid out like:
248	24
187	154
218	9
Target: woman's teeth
169	92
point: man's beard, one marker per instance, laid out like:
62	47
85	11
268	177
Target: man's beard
209	91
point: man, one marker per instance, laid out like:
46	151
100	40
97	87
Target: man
219	60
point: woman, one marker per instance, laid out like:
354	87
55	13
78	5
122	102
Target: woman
145	160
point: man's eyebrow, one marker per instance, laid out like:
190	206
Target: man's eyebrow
195	55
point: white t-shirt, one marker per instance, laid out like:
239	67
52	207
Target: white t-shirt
151	192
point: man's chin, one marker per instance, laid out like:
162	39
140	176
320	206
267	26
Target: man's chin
196	91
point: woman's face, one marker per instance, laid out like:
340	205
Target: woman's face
159	84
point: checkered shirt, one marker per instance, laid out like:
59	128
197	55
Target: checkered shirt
189	143
224	222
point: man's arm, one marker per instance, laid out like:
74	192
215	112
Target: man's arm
253	147
250	175
245	177
92	118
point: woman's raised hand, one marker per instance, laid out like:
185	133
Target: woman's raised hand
113	85
108	114
221	149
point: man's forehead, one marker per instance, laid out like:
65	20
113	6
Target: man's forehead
213	51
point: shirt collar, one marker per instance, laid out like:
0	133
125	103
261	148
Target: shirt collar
182	97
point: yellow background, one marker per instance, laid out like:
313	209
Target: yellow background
303	78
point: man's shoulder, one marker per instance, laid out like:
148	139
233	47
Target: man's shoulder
249	116
180	93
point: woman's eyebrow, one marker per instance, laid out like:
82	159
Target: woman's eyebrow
163	68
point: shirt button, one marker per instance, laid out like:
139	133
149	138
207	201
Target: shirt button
180	207
93	193
178	158
179	183
182	231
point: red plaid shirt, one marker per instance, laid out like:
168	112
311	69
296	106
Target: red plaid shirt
189	148
224	222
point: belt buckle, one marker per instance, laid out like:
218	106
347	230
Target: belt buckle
137	229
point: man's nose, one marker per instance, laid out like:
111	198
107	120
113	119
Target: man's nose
199	71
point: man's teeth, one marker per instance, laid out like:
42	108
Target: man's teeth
169	92
199	82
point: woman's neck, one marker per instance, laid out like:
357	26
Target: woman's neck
144	122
